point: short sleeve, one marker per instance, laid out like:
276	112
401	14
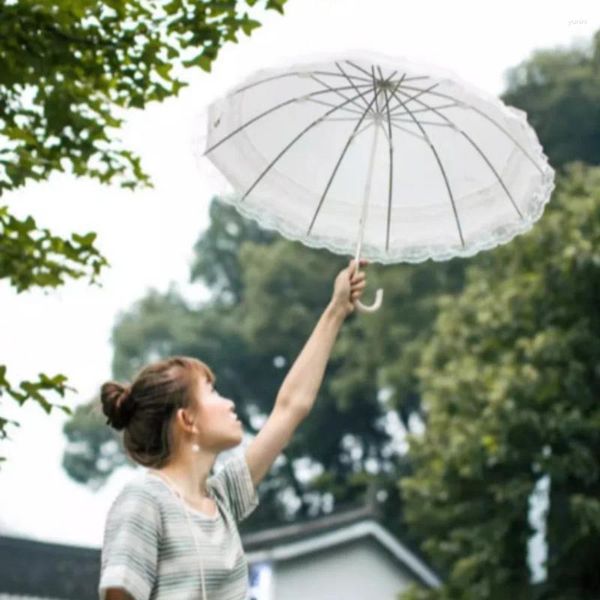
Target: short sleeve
129	555
234	482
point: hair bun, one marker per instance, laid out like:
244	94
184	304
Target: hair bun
117	404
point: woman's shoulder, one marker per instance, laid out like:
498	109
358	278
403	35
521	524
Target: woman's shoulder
134	509
233	486
139	490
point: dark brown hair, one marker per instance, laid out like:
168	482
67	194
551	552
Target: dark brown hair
144	409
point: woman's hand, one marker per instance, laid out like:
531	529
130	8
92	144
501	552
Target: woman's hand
348	288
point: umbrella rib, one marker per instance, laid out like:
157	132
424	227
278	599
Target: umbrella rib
413	133
421	92
307	128
391	147
422	122
455	127
350	81
400	113
272	109
334	119
416	77
359	68
477	110
333	173
441	166
375	87
422	138
338	93
349	110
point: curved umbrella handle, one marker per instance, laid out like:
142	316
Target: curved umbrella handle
374	307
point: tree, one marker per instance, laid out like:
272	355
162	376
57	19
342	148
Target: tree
560	91
69	70
510	389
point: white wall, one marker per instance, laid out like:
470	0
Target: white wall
358	570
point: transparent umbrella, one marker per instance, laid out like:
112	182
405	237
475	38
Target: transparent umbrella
378	157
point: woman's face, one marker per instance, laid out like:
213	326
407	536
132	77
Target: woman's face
216	420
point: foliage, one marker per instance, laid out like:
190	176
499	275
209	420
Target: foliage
559	89
510	387
31	257
70	68
32	390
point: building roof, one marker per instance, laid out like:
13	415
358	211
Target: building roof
342	526
47	570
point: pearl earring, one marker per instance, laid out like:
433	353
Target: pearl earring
195	448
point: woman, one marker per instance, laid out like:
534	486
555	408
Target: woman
171	533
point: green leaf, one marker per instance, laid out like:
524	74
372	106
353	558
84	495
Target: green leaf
201	60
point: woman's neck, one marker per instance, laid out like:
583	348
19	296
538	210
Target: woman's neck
189	474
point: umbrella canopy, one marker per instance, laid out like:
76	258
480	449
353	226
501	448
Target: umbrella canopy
380	157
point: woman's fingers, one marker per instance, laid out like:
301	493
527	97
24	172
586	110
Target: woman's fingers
357	291
361	275
363	262
358	281
352	265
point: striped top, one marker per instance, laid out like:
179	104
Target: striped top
149	551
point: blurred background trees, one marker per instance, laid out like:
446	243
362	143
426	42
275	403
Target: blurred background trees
511	383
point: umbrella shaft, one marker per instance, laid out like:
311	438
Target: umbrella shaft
363	217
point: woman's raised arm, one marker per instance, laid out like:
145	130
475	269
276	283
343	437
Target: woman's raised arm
301	385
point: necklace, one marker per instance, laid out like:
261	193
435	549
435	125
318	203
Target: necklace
175	491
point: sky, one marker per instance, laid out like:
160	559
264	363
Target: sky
148	235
